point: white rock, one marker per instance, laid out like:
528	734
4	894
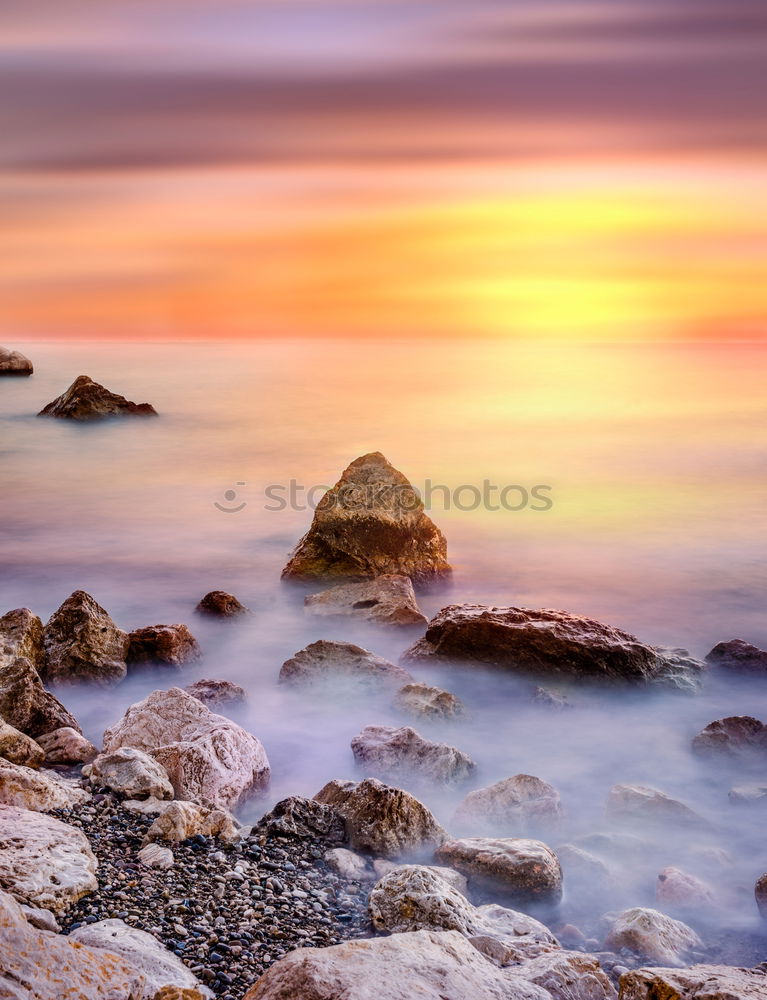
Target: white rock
348	864
632	803
425	702
130	772
700	982
39	790
453	878
146	807
154	856
513	806
67	746
186	819
19	748
653	936
44	920
523	870
389	599
567	975
402	753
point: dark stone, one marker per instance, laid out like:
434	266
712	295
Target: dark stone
87	400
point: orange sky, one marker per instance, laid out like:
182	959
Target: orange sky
550	169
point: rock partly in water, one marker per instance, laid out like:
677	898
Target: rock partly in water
19	748
586	876
699	982
550	644
403	754
24	702
82	643
679	890
382	820
87	400
369	524
516	805
163	645
182	820
327	664
653	936
748	795
739	736
302	819
44	862
219	604
39	790
546	697
21	634
760	894
521	870
387	600
425	702
632	803
66	746
738	656
14	363
131	772
217	692
567	975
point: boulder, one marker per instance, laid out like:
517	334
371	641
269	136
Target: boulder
760	894
546	697
382	820
146	807
182	820
130	772
21	634
585	875
328	663
748	795
44	920
453	878
739	736
38	965
153	855
369	524
348	864
387	752
738	656
44	862
699	982
429	965
38	790
678	890
24	702
512	806
140	951
87	400
164	645
653	936
219	604
302	819
66	746
632	803
18	748
387	600
14	363
426	702
217	692
82	643
524	871
549	643
567	975
208	758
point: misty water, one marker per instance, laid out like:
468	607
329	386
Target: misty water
654	457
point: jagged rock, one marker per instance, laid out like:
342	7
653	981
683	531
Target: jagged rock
182	820
130	772
167	645
382	820
217	692
737	655
87	400
44	862
66	746
219	604
39	790
387	600
14	363
521	870
568	975
326	663
82	643
423	701
208	758
515	805
44	920
679	890
18	748
21	634
548	643
369	524
388	752
699	982
24	702
453	878
152	855
653	936
303	819
38	965
428	965
760	894
348	864
736	736
649	805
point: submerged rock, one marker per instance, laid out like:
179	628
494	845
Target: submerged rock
130	772
87	400
650	805
66	746
653	936
303	819
427	702
18	748
369	524
388	752
217	692
699	982
325	661
14	363
760	894
738	656
679	890
39	790
736	736
549	643
82	643
166	645
387	600
26	705
219	604
512	806
526	871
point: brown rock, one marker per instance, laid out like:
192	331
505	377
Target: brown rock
370	523
24	702
130	772
523	870
387	600
653	936
640	802
388	752
67	746
699	982
219	604
736	736
217	692
82	643
18	748
324	662
427	702
168	645
21	634
513	806
738	656
681	891
14	363
87	400
302	819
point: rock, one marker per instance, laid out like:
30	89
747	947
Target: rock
453	878
679	890
549	698
208	758
18	748
585	875
324	663
154	856
178	993
649	805
166	645
369	524
738	656
548	643
387	752
217	692
515	805
760	894
38	965
44	862
66	746
44	920
39	790
525	871
387	600
219	604
739	736
146	807
653	936
748	795
87	400
130	772
82	643
182	820
303	819
14	363
699	982
140	951
382	820
24	702
423	701
21	634
568	975
428	965
348	864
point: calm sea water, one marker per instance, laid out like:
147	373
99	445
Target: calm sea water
655	459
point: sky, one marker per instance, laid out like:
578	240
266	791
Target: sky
509	168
